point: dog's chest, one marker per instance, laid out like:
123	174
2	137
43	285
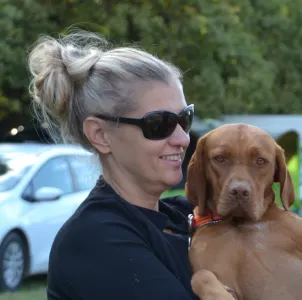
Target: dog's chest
257	264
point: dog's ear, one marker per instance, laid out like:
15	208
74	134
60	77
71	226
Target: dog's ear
196	181
283	176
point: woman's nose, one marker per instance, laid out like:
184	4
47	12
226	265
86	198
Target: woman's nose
179	137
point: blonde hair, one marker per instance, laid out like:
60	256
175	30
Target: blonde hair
77	76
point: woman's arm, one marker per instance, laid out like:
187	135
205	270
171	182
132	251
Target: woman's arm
108	260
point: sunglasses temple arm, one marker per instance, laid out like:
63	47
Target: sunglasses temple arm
137	122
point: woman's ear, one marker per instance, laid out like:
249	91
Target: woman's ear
96	131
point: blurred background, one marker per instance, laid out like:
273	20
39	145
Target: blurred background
242	62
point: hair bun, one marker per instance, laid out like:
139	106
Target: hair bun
56	66
51	84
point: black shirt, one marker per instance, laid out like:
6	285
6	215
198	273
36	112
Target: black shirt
110	250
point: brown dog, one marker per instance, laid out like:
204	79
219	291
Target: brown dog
250	244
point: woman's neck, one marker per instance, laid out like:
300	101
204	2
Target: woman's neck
132	191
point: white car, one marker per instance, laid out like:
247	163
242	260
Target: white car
40	188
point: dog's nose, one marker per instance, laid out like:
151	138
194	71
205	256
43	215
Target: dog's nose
240	190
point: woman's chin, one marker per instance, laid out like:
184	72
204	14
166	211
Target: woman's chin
173	179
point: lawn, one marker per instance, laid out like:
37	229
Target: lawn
32	289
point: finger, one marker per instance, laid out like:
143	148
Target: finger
228	289
206	285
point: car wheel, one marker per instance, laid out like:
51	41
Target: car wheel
13	256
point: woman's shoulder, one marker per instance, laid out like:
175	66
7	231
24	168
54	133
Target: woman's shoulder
99	215
120	249
180	204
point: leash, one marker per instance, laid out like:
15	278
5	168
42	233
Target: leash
196	222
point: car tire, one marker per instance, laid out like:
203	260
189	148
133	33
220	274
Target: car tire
13	262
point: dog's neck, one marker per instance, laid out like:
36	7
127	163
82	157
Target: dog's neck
206	218
209	207
210	211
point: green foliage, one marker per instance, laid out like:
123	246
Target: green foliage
21	22
238	56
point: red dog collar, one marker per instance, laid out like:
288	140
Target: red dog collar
196	222
200	221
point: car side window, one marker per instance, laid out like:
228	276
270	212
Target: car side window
85	170
54	173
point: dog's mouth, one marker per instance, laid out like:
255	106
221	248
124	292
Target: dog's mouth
236	213
238	221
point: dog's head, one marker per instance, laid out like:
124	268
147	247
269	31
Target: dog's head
232	172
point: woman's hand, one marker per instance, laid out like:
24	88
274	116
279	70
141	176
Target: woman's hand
207	287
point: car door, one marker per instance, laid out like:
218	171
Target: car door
86	170
45	218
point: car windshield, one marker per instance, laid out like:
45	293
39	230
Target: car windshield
12	167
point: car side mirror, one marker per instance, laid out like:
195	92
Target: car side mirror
48	194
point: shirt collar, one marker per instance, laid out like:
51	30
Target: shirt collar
167	216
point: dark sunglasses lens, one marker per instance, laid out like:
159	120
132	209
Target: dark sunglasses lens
159	125
186	120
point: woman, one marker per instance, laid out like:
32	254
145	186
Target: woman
127	106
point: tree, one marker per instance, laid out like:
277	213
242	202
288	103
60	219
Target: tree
21	23
238	56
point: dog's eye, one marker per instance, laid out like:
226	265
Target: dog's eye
219	158
260	161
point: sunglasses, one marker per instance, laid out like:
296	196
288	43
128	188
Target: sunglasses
160	124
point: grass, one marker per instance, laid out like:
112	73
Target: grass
172	193
32	289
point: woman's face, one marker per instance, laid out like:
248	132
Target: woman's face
147	162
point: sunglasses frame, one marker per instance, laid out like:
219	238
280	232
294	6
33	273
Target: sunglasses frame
141	123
